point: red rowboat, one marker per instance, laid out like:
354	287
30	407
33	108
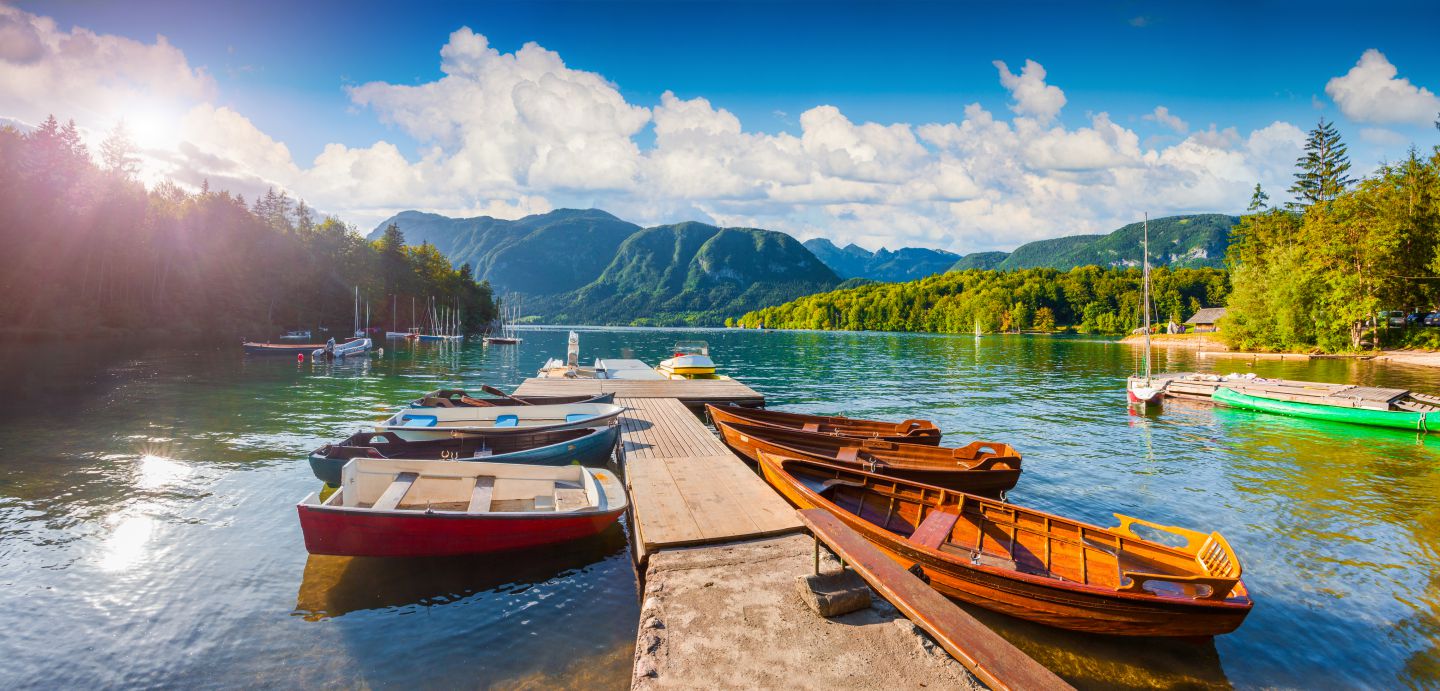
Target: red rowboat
395	508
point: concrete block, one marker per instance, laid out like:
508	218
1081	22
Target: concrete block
835	593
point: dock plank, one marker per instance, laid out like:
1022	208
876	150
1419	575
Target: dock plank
686	487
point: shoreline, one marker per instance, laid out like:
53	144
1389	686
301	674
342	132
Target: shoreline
1208	347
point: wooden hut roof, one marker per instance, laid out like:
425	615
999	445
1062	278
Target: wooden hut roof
1209	315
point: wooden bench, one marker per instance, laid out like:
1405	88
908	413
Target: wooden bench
994	660
481	495
935	529
395	492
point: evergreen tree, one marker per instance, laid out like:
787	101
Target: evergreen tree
304	220
1258	200
1323	167
117	153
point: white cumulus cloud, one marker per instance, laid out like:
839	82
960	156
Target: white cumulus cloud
1033	97
1373	92
510	134
1162	115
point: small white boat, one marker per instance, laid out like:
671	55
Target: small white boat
419	424
301	335
691	361
333	351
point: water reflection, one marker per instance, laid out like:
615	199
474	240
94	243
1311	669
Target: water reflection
335	586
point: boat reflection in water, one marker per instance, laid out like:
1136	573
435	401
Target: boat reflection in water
1113	662
335	586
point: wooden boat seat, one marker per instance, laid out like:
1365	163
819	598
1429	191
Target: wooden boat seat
810	427
828	485
395	492
571	499
935	529
481	495
847	454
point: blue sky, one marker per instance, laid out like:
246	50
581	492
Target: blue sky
285	67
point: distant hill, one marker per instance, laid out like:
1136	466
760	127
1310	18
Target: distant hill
1176	241
984	261
535	255
587	266
905	264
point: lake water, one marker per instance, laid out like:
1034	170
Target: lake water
148	534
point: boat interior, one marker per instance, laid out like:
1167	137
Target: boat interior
977	455
391	445
989	533
472	488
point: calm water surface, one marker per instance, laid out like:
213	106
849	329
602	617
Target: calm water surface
148	533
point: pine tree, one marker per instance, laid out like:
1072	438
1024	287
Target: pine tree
304	220
117	152
1322	175
1259	201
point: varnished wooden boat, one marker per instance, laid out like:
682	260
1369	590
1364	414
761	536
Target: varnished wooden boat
1027	563
980	467
909	431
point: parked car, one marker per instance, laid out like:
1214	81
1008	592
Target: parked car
1432	319
1414	318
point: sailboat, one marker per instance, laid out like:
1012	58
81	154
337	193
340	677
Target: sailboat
1142	390
977	329
508	316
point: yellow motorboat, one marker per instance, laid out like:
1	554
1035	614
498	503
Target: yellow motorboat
691	361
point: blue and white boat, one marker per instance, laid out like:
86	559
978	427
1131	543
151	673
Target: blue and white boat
419	424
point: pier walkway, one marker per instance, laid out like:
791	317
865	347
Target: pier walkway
694	393
686	487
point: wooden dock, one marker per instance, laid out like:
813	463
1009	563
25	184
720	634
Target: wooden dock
694	393
686	487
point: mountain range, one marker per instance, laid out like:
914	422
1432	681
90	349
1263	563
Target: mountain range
587	266
905	264
1176	241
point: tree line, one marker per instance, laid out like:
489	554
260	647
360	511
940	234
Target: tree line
1315	274
1089	299
90	251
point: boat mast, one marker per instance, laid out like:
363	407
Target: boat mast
356	330
1145	306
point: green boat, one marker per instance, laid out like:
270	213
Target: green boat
1397	419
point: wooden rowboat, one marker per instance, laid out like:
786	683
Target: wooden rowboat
1027	563
459	398
909	431
416	424
980	467
589	446
390	508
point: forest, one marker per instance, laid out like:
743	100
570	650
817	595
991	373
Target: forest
91	252
1316	274
1088	298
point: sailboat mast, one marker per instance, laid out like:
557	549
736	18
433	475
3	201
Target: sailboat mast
357	310
1145	272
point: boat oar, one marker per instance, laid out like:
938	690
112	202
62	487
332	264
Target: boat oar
497	392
